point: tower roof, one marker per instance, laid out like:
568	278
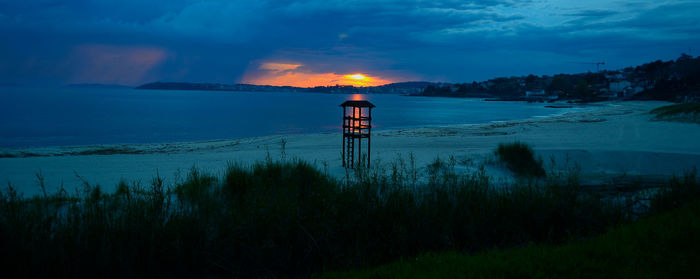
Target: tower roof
360	104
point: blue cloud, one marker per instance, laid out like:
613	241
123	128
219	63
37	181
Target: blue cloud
217	40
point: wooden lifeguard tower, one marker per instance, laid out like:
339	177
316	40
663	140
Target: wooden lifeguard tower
357	125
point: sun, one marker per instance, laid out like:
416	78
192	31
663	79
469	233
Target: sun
359	80
357	77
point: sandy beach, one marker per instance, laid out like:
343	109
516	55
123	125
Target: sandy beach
613	140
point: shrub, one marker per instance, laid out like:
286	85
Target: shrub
520	159
676	193
688	112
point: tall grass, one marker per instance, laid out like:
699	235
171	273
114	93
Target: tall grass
287	219
661	246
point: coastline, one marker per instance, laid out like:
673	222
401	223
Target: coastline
613	140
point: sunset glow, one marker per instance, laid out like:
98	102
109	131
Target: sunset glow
357	77
298	75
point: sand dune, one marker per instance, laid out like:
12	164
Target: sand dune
615	139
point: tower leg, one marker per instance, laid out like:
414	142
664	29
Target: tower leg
342	153
359	149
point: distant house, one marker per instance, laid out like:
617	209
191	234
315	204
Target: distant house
619	86
614	76
630	91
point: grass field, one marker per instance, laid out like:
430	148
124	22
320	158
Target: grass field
665	245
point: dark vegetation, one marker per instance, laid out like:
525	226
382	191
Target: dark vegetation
21	154
662	246
287	219
677	80
688	112
106	150
520	159
670	80
110	150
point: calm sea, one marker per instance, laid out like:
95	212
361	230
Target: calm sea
32	117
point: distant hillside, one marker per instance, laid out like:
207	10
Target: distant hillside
98	86
413	87
677	80
409	87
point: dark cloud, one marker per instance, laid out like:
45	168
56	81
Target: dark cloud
681	17
218	40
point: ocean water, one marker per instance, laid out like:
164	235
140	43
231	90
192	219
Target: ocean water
39	117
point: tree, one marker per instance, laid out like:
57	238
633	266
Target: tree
561	84
582	90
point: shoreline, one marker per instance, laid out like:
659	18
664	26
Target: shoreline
615	139
163	147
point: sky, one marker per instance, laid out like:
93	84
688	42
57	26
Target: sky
327	42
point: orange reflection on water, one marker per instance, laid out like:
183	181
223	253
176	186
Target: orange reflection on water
358	97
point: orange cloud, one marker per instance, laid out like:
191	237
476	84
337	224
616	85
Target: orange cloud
284	74
271	66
